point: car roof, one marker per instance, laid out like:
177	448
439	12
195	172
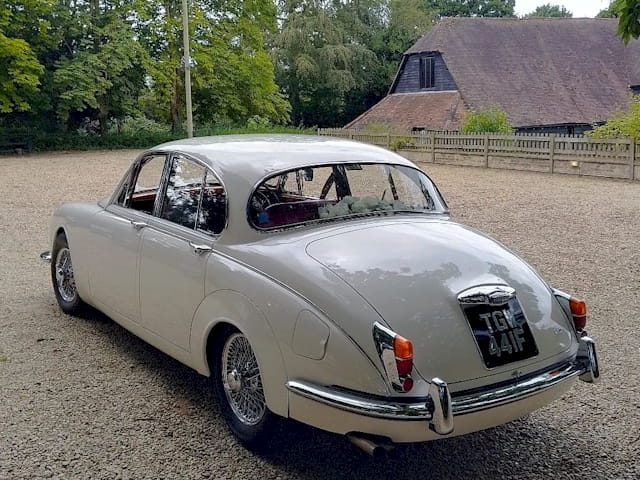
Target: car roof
254	157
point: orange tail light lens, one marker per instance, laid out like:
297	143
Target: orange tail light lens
403	350
579	312
402	347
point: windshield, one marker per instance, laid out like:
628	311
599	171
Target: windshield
335	192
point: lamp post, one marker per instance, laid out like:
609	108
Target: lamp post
187	66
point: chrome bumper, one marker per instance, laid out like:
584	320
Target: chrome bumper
439	407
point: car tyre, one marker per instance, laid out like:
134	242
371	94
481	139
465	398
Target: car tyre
238	387
64	284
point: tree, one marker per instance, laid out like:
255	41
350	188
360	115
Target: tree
103	75
629	18
319	59
622	125
233	77
549	10
21	71
489	120
473	8
608	12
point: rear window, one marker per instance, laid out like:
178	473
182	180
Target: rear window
341	192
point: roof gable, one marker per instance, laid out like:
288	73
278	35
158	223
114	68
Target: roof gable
541	71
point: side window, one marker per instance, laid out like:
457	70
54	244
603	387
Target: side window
213	210
182	199
147	183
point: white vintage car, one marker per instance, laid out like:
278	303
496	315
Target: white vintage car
320	279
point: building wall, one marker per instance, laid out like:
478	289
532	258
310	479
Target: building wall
409	78
577	129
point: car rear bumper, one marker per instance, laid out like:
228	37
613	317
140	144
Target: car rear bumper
438	409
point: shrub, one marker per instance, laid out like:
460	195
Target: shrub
490	120
623	124
138	125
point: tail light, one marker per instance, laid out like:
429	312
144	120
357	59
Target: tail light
579	313
396	354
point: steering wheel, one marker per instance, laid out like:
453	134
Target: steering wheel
262	199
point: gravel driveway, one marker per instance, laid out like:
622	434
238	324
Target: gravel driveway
86	399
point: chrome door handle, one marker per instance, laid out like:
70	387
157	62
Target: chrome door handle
200	249
138	225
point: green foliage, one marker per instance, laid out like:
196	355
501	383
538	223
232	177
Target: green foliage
490	120
622	125
629	18
232	73
473	8
21	71
549	10
104	75
321	57
144	135
609	12
136	125
76	62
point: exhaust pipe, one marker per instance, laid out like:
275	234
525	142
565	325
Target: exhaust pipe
369	445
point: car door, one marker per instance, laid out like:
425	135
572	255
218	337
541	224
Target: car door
175	249
116	235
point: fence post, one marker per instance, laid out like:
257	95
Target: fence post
552	152
388	140
486	150
632	158
433	147
351	135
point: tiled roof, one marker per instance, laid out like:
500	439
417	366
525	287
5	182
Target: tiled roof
540	71
431	110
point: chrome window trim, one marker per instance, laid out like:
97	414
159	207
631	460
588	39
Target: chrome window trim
164	179
440	199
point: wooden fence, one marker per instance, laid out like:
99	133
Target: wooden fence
567	154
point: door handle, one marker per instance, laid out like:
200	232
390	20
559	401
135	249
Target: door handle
200	249
138	225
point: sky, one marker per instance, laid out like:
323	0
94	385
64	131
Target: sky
579	8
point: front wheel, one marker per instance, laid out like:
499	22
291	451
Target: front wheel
238	386
64	283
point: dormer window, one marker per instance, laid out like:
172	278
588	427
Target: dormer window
427	73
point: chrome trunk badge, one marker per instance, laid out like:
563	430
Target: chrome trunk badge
494	295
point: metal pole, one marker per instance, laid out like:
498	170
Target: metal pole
187	66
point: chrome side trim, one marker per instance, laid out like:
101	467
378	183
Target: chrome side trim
383	338
439	407
353	402
492	398
46	256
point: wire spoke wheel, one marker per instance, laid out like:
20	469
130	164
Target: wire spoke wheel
241	380
65	282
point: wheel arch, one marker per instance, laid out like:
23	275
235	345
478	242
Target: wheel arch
230	308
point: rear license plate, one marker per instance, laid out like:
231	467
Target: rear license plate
501	332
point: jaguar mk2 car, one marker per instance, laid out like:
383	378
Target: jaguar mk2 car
321	280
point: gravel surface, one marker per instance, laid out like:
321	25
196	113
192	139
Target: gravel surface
86	399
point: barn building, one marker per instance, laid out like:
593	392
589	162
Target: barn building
550	75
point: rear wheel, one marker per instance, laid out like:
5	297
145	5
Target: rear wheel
238	386
64	283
